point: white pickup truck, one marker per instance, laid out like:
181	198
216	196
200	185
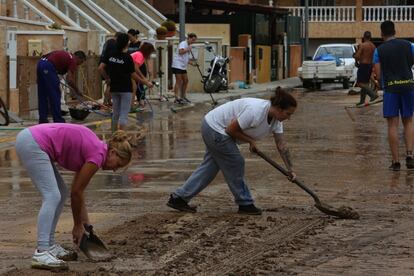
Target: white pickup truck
342	70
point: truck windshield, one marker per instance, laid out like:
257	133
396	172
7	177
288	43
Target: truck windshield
337	51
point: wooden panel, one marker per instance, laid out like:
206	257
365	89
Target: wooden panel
27	88
237	64
295	59
244	40
263	63
280	68
87	79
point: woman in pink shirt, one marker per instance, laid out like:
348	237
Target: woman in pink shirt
75	148
139	57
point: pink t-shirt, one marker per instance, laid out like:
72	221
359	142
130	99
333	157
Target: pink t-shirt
138	58
70	145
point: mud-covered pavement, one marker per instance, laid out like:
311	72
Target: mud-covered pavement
344	162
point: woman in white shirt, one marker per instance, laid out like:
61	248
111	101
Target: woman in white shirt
240	121
179	68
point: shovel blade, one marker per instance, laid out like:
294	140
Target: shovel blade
93	247
343	212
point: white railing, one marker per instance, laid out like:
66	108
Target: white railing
73	12
22	9
88	21
163	18
143	17
326	13
393	13
118	26
32	13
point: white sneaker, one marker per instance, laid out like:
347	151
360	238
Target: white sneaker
61	253
46	260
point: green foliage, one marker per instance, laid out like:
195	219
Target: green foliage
170	25
55	26
161	30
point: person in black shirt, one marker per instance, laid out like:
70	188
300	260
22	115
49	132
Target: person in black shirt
118	68
393	61
134	42
108	47
134	45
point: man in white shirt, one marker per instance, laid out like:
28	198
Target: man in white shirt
179	68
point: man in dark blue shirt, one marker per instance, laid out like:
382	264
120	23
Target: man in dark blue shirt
392	64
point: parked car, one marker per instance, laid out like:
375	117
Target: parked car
339	68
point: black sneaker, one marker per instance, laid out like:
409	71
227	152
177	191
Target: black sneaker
395	166
409	162
179	101
249	210
180	204
186	100
374	98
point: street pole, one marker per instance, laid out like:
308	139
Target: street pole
182	19
306	43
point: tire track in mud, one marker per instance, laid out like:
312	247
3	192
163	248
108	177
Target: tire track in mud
340	248
251	256
192	243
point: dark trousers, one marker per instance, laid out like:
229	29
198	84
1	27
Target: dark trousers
48	92
140	92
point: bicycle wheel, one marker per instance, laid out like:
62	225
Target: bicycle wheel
4	114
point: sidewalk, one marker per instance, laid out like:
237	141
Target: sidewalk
256	90
8	133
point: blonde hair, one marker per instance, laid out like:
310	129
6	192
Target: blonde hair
119	142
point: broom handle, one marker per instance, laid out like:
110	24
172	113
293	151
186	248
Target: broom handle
286	173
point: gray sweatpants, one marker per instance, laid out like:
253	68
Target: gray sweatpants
121	104
222	154
48	182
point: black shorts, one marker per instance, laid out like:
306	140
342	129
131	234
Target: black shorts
364	73
178	71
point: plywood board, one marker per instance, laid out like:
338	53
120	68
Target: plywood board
237	64
263	63
295	59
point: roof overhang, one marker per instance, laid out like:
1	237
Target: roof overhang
228	6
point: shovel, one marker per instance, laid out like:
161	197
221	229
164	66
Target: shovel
342	212
351	116
92	246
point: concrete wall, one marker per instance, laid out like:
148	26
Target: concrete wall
210	30
22	25
355	30
49	43
164	6
121	15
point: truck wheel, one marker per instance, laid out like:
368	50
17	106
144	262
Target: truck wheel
345	84
307	84
317	85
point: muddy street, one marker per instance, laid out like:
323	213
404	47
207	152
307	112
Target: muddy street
344	162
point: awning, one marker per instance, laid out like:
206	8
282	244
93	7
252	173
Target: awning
230	6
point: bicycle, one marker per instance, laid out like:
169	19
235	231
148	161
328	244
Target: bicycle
4	114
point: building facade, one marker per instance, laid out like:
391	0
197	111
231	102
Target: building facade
335	21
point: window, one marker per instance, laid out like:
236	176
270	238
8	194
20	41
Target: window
337	51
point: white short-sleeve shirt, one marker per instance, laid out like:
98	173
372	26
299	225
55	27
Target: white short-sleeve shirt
181	61
251	114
